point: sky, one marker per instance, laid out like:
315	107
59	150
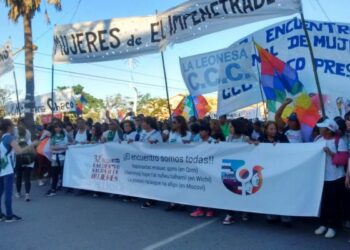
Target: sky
148	69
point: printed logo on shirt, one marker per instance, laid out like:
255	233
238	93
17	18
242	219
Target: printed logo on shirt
240	179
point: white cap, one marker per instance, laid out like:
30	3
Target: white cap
330	124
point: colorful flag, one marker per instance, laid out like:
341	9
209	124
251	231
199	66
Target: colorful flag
277	79
308	115
83	100
80	104
192	106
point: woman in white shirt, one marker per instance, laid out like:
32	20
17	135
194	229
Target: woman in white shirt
179	134
334	179
82	135
130	133
151	135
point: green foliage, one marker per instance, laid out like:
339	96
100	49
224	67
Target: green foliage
27	8
94	104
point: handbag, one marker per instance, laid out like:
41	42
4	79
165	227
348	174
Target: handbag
340	158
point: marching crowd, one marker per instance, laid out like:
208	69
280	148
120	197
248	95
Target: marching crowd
19	156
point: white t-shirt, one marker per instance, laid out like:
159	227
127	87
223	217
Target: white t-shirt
175	137
242	138
333	172
294	136
81	137
255	135
130	137
152	135
210	140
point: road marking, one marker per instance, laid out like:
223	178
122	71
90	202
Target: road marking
179	235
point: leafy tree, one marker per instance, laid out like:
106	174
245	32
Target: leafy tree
27	9
157	107
94	103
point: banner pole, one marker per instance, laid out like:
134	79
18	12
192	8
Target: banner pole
260	86
166	84
313	63
194	107
18	105
52	91
165	78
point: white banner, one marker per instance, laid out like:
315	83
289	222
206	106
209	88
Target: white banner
64	101
127	37
228	71
6	61
285	179
331	45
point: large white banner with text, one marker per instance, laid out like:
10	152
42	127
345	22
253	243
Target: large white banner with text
228	71
127	37
284	179
331	46
64	101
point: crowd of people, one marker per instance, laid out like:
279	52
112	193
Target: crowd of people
19	157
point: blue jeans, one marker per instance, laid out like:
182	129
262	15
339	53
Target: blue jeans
6	185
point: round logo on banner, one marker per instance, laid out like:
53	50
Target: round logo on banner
240	179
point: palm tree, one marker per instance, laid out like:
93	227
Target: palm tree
27	9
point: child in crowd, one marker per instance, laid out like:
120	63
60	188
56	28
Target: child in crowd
59	145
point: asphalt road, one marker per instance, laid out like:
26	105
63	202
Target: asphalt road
69	221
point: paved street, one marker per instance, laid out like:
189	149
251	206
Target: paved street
68	221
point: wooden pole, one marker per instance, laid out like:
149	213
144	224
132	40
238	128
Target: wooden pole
313	64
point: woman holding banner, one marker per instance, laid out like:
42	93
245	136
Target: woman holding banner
151	135
347	183
271	135
179	134
59	145
205	137
236	135
333	188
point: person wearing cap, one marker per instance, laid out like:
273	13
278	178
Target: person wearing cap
347	180
333	181
292	128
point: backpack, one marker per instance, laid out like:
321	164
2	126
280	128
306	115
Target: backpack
340	158
26	158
